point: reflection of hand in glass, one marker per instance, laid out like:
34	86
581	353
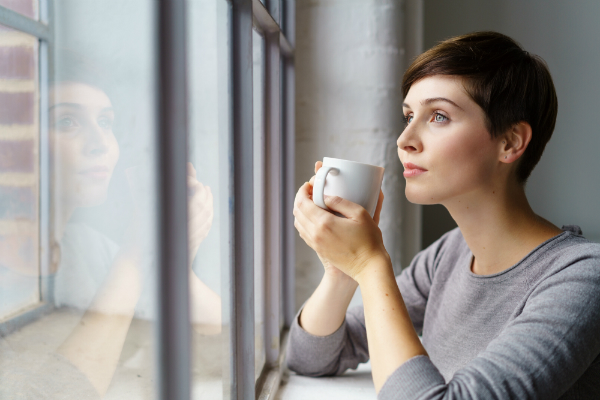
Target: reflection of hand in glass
200	211
205	303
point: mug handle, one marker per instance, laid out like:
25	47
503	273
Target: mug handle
319	187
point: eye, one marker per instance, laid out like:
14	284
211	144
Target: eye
408	118
105	123
66	123
439	117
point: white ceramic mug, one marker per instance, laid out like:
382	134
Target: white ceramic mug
357	182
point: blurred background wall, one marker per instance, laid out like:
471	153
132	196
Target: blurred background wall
350	58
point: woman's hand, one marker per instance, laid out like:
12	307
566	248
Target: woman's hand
200	211
344	244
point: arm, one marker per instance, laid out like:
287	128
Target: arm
324	339
392	337
355	245
334	339
95	345
325	310
541	354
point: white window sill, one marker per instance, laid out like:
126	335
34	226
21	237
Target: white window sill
352	385
134	375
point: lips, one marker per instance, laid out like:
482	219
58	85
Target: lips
411	170
410	165
97	172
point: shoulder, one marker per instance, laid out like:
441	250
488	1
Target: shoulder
570	251
450	247
569	269
442	255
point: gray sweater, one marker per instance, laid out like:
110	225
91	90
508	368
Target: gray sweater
529	332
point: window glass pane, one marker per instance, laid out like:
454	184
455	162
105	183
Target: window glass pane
19	172
28	8
207	192
258	86
98	340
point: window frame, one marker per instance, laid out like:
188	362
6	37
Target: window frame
273	22
42	30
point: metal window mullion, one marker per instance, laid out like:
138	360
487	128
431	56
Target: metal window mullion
273	199
174	364
289	150
267	21
46	294
45	191
242	266
13	19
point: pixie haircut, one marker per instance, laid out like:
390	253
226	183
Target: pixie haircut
508	83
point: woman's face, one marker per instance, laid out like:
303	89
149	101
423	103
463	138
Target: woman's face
446	149
83	147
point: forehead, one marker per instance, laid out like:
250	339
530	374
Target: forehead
79	93
439	86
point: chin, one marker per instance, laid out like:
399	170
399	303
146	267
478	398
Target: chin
422	197
90	196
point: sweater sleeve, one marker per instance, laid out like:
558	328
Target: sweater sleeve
541	354
329	355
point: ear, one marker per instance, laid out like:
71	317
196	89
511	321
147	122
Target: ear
514	142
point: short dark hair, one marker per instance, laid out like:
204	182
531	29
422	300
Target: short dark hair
508	83
72	66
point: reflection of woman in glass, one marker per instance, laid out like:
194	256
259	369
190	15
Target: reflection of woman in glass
93	273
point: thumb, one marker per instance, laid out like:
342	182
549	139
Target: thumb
345	207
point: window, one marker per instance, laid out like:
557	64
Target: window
145	229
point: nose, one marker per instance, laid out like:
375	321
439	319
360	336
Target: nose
96	140
409	140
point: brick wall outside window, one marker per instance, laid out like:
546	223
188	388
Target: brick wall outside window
19	166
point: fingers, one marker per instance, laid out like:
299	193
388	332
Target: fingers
200	216
347	208
198	227
318	166
378	208
302	194
191	171
201	201
303	206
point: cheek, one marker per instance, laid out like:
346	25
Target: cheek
66	154
458	164
469	154
113	151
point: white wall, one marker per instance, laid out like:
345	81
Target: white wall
349	65
565	186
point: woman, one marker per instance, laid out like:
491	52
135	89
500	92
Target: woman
507	303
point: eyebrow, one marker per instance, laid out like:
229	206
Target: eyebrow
434	100
76	105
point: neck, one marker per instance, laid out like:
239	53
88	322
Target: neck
64	212
499	227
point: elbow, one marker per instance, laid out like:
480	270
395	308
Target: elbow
307	364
